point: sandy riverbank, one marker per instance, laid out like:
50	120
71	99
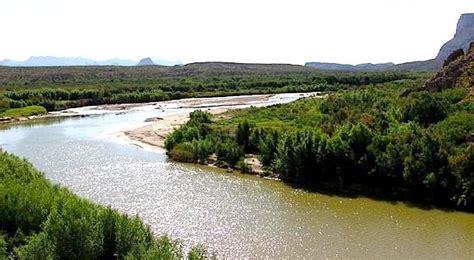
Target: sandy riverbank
152	136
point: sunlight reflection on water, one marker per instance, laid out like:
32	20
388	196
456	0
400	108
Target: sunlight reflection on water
233	214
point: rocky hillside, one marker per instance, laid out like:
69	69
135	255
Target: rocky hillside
463	36
458	72
461	40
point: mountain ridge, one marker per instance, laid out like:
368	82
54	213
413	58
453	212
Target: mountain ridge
52	61
349	67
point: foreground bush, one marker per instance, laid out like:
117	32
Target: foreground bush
39	220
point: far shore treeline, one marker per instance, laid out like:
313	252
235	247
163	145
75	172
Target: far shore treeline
65	87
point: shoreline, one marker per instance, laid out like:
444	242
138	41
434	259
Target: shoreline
151	137
23	119
203	103
186	103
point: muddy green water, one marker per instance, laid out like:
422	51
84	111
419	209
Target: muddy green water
234	215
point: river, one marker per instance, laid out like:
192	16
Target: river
234	215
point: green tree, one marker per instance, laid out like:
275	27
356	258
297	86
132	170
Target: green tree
243	135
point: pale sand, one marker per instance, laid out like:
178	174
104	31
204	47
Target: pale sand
152	137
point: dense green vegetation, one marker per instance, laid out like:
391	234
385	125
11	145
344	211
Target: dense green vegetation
39	220
365	138
370	140
60	88
24	111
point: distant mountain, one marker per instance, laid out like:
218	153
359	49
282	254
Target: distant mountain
117	62
49	61
463	37
146	62
348	67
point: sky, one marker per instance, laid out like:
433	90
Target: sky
261	31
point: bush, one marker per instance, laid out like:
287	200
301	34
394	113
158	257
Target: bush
196	128
229	152
182	153
23	112
268	148
463	167
197	253
455	129
60	225
425	109
38	247
3	247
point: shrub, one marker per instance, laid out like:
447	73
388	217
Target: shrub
182	153
60	225
25	111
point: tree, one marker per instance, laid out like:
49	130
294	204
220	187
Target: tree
243	135
268	148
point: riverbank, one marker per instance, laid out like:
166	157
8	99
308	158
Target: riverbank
56	114
152	136
204	103
5	121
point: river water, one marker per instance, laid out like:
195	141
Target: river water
234	215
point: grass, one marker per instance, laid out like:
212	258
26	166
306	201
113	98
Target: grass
24	111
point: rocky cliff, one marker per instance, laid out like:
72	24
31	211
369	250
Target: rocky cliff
462	38
458	72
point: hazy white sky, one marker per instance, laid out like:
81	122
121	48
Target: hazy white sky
290	31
